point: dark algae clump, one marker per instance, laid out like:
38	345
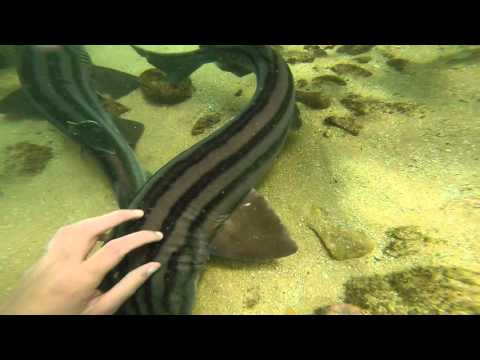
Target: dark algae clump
313	99
352	70
253	297
360	106
319	80
354	49
157	89
205	123
398	64
296	57
363	59
315	50
26	159
308	55
349	124
113	107
301	83
408	240
422	290
355	104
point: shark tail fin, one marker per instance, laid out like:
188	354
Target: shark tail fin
177	67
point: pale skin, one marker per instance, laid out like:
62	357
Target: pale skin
65	281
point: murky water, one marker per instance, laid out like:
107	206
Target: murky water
379	187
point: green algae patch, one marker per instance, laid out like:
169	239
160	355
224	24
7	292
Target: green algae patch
417	291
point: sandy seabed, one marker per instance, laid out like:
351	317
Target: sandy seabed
402	170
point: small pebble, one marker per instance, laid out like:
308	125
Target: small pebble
349	124
327	133
345	244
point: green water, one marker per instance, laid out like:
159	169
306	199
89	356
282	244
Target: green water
415	163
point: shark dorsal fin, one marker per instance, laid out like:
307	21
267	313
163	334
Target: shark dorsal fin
253	233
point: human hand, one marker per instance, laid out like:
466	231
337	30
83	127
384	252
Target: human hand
66	279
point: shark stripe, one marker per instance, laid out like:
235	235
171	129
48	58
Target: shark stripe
190	198
57	81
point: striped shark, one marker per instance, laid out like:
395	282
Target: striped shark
203	200
57	80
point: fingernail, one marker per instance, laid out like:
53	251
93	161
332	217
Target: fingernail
159	235
138	213
153	268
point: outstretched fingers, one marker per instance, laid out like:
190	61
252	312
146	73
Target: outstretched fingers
80	238
98	225
114	251
109	302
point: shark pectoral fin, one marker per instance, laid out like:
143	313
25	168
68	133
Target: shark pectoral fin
92	135
114	83
16	105
253	233
131	130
